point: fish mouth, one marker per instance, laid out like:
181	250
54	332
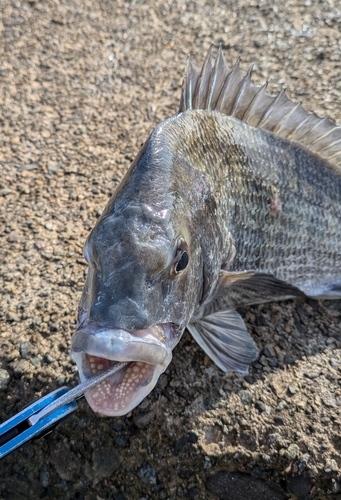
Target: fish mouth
148	352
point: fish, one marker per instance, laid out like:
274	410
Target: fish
233	201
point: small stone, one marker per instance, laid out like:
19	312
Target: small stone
143	419
5	192
4	378
301	404
292	389
331	465
273	437
12	239
39	244
302	464
269	352
260	406
288	359
147	474
122	440
185	474
292	452
312	375
49	359
273	362
117	426
53	168
24	349
192	492
27	167
35	362
317	400
245	396
279	421
263	361
14	21
304	317
282	405
20	367
334	363
49	226
58	250
328	399
279	385
144	404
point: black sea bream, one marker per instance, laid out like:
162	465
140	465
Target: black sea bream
235	200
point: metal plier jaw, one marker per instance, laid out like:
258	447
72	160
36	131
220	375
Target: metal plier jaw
21	428
40	417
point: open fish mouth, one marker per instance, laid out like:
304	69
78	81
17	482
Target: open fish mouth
96	348
117	394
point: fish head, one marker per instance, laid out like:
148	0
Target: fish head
140	292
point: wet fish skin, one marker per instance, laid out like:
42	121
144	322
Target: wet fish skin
213	214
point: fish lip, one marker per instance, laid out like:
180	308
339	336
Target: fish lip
152	345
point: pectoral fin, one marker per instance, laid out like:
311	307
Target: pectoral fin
224	338
250	287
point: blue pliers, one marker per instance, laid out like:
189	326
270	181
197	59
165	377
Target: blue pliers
40	417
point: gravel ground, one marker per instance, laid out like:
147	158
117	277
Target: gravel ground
82	84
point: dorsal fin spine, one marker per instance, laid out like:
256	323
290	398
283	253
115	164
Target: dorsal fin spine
271	108
214	77
299	126
331	145
289	113
227	81
261	91
245	82
226	91
220	71
326	135
310	130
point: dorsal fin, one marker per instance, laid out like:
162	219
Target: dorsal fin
219	88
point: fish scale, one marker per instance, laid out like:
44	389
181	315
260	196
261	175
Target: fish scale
307	229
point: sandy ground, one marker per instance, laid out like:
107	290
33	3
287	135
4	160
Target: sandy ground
82	84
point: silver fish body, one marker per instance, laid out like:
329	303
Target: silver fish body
213	213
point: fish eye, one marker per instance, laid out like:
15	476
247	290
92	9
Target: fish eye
181	258
180	266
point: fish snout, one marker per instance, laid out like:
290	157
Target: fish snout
126	314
